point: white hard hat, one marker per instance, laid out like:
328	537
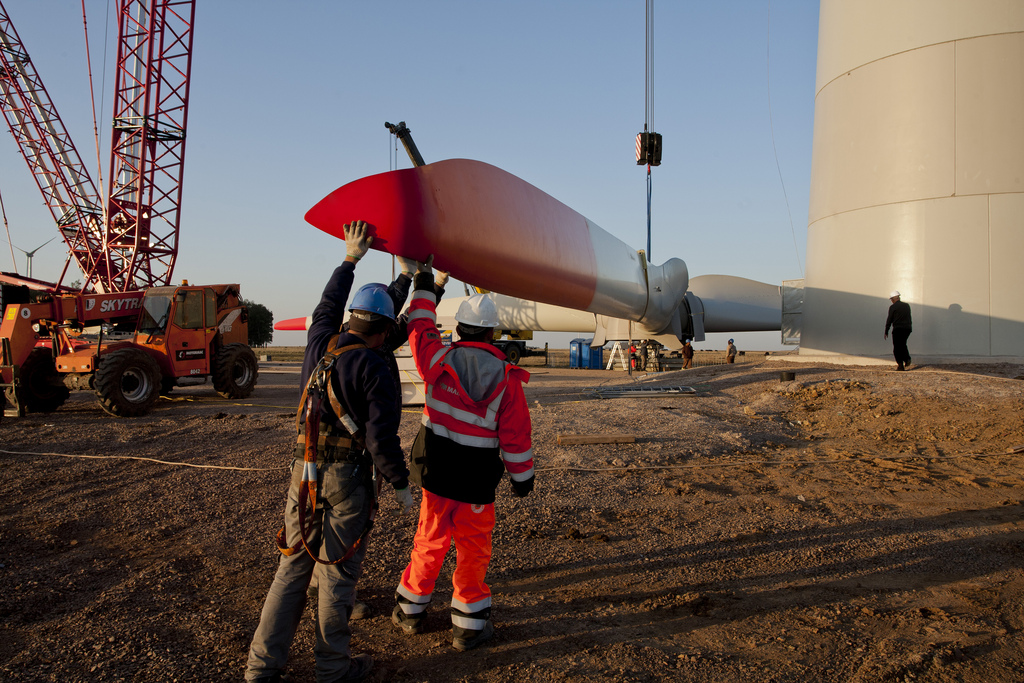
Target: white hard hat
479	311
894	293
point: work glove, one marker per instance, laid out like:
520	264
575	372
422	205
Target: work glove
425	266
523	488
357	242
404	497
408	265
440	278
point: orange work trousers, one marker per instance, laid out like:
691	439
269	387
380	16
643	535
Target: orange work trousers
470	526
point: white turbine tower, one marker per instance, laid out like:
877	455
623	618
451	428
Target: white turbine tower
917	177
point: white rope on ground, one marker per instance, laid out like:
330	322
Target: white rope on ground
747	463
160	462
623	468
209	400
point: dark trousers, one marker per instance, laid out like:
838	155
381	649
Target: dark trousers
899	345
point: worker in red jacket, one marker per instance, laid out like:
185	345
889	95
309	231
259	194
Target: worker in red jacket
475	427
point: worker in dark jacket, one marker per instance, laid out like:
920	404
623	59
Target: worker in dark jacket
398	335
687	355
354	429
899	320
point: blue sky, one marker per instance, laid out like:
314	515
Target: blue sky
288	101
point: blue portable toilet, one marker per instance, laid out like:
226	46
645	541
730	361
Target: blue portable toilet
582	356
588	352
577	347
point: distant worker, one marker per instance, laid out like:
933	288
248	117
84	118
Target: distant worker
644	346
348	424
475	427
730	353
899	320
654	350
687	355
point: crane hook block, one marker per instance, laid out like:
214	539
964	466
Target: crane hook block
648	149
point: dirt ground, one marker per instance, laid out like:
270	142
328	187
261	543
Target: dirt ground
856	524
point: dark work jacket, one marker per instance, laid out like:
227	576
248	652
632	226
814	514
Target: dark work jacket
899	317
362	379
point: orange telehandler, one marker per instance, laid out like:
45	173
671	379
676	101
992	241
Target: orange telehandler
176	332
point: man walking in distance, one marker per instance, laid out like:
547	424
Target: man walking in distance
348	424
475	427
730	353
899	321
687	355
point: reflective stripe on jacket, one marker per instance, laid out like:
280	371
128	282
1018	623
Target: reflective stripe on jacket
475	411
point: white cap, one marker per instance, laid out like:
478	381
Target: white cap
479	311
895	293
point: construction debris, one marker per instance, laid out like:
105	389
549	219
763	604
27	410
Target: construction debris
635	392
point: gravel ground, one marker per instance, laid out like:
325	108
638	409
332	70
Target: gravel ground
857	524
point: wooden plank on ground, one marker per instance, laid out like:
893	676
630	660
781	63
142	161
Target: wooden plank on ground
581	439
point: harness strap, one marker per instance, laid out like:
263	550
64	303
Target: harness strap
311	437
330	441
320	372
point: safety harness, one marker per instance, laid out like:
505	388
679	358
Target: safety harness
318	439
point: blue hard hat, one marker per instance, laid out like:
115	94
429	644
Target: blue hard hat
730	341
373	298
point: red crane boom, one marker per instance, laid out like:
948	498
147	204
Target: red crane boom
133	244
44	143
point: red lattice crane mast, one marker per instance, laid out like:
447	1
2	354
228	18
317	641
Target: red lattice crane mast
129	240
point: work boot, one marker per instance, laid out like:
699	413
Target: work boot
276	678
465	639
358	668
360	610
409	624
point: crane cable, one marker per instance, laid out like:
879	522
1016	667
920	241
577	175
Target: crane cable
95	122
393	165
649	103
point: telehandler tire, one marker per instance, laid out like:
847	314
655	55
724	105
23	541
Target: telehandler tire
127	382
41	388
235	370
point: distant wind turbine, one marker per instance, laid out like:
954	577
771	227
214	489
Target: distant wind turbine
30	254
